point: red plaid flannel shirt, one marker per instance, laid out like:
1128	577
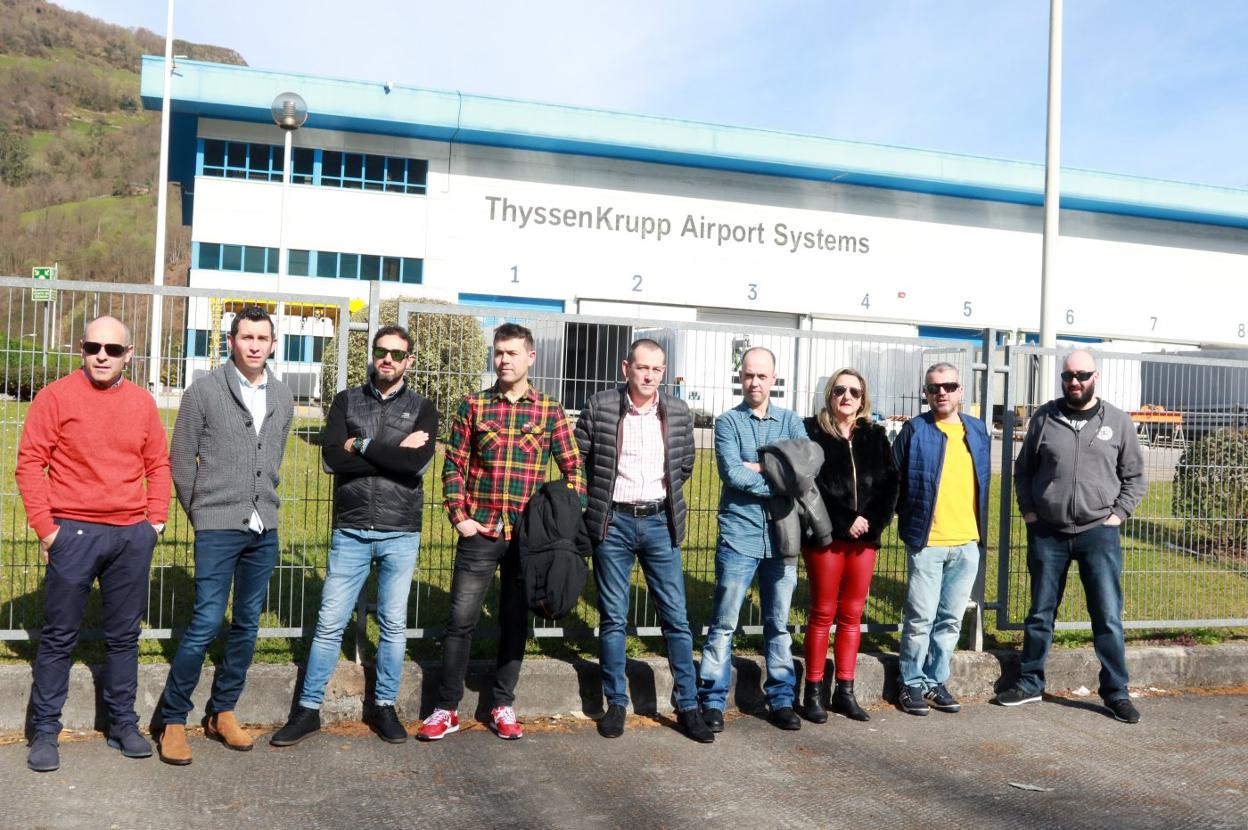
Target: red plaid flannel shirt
497	453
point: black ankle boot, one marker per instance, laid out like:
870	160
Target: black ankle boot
812	702
844	703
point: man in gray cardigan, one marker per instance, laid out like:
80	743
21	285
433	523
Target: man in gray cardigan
228	443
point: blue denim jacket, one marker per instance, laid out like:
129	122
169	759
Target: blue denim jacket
739	433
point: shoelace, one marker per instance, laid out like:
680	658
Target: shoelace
439	716
505	715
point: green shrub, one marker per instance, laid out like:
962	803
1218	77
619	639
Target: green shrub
450	354
1211	492
26	372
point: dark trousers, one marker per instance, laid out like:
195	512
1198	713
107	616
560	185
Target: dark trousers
476	559
120	557
222	557
1099	554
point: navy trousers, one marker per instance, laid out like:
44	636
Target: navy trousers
120	557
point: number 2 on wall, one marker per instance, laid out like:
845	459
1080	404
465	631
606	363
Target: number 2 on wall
637	282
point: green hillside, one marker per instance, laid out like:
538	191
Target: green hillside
78	154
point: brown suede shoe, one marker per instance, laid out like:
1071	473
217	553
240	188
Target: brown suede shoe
173	746
223	727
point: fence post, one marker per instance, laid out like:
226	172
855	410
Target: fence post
361	602
1005	520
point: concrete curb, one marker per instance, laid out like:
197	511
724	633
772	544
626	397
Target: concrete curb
549	687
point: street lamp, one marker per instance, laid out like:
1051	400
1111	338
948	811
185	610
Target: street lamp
289	112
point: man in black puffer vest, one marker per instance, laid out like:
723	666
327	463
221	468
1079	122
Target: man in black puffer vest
379	438
638	447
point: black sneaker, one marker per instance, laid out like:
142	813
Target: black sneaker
611	724
786	719
714	719
1124	710
386	722
939	698
303	722
1015	696
44	755
692	724
131	743
910	699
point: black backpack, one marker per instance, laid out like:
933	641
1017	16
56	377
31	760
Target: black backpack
553	544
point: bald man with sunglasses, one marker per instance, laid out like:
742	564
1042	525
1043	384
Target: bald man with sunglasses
1078	477
94	477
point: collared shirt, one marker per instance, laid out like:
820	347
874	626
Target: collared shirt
497	452
743	524
112	385
640	474
256	399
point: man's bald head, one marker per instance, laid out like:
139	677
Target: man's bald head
101	335
1080	360
106	329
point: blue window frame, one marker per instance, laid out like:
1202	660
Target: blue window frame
197	343
303	348
367	267
240	160
250	259
311	165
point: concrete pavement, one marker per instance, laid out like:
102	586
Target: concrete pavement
1062	763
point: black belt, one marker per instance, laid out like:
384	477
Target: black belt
637	509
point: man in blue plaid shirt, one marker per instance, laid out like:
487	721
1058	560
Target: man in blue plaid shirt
745	547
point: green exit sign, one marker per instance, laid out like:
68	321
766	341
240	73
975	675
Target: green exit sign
44	272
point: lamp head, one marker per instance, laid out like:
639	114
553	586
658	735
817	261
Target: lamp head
289	111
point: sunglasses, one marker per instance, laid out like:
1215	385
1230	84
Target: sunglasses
853	391
949	386
1082	377
110	349
397	355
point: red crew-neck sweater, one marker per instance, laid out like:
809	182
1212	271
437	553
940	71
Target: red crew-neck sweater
97	447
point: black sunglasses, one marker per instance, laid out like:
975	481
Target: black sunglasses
949	386
110	349
854	391
395	354
1082	377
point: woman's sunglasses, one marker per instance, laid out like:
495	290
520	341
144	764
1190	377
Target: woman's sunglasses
854	391
110	349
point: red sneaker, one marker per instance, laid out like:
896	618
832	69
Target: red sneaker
503	722
438	725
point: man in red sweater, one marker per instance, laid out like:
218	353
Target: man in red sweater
90	441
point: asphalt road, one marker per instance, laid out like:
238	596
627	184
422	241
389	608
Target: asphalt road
1062	763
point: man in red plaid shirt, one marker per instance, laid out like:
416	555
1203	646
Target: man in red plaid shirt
499	446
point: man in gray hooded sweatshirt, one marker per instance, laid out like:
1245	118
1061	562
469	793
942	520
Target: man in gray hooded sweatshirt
1078	477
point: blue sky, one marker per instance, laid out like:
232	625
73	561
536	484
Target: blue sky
1152	88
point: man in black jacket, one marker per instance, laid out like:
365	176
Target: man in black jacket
638	448
379	438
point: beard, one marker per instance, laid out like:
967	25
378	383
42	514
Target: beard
1078	400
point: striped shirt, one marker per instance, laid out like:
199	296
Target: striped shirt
640	475
497	452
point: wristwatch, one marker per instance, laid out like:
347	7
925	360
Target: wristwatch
358	445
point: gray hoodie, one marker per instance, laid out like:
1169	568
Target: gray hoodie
1074	479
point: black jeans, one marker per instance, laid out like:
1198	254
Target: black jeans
120	557
476	559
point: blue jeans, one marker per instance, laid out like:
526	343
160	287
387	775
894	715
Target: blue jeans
222	557
939	586
776	581
648	541
351	555
1099	554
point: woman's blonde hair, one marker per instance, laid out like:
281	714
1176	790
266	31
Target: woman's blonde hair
827	421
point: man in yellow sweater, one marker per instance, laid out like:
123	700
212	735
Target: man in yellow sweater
942	458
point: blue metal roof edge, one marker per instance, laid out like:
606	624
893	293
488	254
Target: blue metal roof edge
243	93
